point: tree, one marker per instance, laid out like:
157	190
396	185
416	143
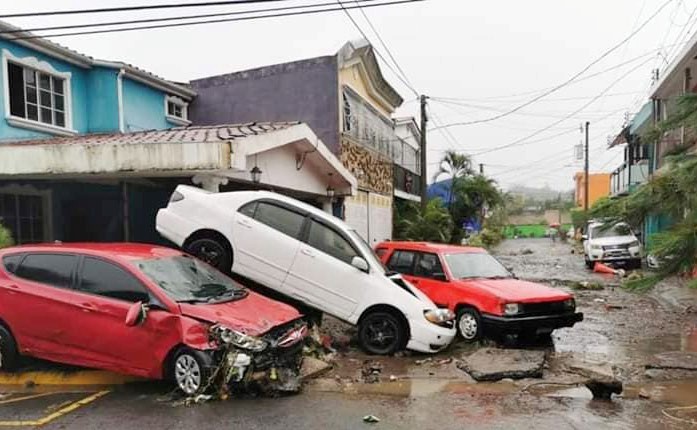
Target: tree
433	225
455	166
471	195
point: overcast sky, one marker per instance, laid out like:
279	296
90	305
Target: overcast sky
490	55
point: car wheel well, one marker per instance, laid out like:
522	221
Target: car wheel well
391	310
6	326
461	306
167	362
207	234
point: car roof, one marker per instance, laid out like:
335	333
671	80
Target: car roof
123	250
262	194
432	247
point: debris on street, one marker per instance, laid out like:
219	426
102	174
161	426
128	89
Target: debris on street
600	377
491	364
313	367
674	360
370	372
587	285
372	419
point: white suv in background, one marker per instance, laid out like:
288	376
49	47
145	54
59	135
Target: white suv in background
611	244
309	256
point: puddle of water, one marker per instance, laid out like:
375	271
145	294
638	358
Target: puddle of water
413	388
683	392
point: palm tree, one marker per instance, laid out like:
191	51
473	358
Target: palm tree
455	166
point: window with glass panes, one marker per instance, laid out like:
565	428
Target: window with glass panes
36	95
175	109
23	214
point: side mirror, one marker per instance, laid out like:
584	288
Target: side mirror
360	264
440	277
136	314
584	237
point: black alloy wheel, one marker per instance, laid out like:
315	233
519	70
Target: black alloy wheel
211	251
381	333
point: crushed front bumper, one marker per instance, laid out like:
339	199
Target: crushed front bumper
429	337
494	324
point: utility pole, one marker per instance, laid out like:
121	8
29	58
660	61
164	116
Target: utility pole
424	120
585	172
481	168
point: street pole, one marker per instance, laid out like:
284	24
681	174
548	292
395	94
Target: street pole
424	120
585	171
481	168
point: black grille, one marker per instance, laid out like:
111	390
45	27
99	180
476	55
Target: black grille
546	308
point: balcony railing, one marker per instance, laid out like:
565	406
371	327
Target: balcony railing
620	181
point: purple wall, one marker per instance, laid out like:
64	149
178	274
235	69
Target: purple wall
305	91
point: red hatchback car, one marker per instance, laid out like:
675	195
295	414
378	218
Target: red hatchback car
142	310
486	297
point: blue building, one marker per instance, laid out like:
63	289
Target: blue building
91	149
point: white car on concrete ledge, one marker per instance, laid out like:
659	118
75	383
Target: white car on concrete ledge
309	256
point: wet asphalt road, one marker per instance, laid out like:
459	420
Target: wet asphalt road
620	327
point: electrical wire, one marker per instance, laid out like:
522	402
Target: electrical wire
175	18
134	8
382	42
360	30
572	114
184	24
568	81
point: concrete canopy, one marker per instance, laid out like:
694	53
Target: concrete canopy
289	155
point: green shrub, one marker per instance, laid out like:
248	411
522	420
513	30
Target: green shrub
5	237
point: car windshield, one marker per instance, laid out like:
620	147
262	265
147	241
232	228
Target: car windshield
475	265
185	279
366	250
602	231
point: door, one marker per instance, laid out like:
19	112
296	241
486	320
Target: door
266	236
107	291
423	270
322	272
429	277
39	305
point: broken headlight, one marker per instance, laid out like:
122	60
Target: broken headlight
225	335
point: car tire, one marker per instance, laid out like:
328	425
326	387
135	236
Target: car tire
382	333
191	371
469	324
9	356
212	251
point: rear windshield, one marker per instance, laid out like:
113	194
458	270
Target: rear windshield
186	279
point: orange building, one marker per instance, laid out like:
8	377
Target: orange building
598	187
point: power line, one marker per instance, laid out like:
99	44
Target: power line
183	24
519	141
489	100
175	18
134	8
384	45
360	30
568	81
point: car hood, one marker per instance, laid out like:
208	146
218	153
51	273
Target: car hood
614	240
514	290
253	315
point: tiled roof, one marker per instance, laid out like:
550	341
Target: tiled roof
191	134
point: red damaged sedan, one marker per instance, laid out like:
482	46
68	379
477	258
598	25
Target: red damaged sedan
485	296
142	310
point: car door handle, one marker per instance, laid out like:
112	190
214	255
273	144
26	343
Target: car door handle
14	287
87	307
244	223
308	252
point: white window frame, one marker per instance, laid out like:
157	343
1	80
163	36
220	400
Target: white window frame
184	120
43	67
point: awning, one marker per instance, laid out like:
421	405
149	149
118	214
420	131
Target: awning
289	154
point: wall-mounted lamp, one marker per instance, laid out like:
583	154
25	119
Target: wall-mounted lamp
256	174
